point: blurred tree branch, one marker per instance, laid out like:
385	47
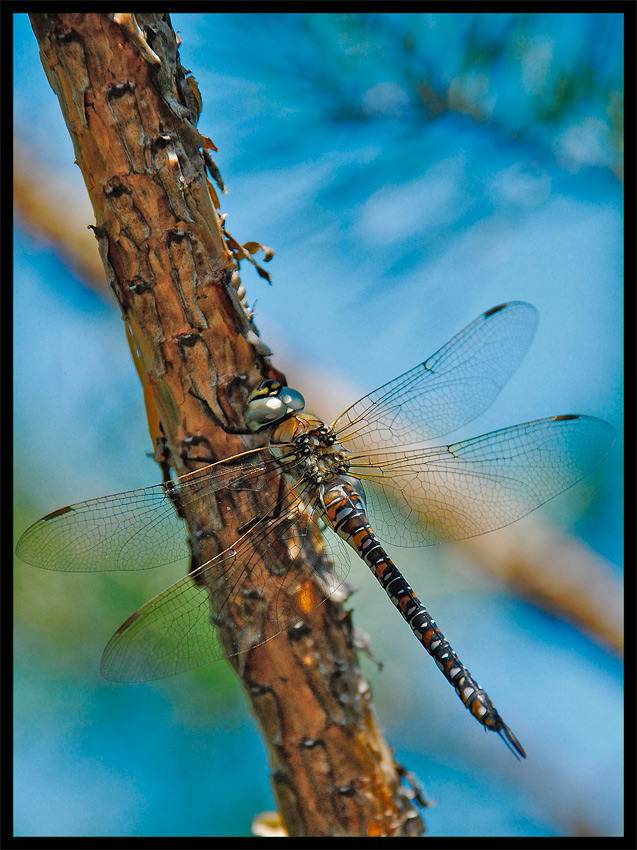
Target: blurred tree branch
132	112
47	209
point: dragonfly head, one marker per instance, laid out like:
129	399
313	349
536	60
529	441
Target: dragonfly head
270	402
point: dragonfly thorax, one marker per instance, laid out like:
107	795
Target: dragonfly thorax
312	446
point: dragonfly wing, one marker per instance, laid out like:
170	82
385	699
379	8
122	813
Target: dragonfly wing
424	497
262	585
171	633
449	389
136	529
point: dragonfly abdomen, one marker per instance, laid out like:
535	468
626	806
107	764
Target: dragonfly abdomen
345	512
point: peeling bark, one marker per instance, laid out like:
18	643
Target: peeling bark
132	113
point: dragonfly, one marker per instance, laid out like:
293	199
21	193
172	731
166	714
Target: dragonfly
367	477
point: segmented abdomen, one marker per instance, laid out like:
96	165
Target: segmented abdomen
345	512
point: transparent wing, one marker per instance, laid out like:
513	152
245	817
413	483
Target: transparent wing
263	585
423	497
136	529
446	391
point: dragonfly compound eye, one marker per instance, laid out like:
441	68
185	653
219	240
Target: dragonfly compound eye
264	411
292	398
271	402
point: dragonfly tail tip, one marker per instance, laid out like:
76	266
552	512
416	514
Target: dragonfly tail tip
512	742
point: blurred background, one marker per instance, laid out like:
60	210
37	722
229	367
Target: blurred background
410	171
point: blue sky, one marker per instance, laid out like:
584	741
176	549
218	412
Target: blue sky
392	231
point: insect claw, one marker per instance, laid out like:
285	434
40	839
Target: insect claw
511	741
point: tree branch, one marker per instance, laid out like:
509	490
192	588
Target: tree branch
132	113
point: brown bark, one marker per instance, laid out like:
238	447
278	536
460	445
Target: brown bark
132	113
